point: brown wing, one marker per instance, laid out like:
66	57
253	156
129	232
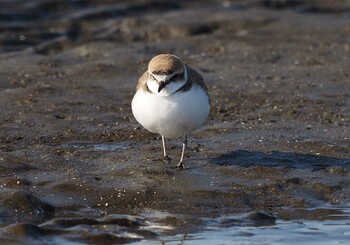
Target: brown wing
142	82
195	77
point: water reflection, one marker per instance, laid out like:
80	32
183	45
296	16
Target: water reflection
96	147
331	226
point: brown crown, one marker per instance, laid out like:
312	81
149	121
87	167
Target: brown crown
165	64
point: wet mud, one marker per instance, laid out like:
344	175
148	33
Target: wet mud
76	166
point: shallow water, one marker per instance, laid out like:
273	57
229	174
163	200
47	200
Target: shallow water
331	226
245	229
301	232
284	232
96	147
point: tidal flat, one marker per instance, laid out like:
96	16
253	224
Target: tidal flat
272	159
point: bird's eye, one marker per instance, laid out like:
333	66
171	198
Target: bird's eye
153	77
176	76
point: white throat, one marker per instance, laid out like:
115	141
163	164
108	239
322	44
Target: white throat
170	88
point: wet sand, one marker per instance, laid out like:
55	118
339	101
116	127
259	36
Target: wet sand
74	160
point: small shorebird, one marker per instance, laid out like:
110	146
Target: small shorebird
171	99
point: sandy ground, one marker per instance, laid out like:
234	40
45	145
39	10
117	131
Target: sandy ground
276	140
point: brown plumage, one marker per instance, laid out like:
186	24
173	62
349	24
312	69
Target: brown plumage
165	64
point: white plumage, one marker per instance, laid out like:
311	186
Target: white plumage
173	115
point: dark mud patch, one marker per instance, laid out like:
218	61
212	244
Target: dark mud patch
114	229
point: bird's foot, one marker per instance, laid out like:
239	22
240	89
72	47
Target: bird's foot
166	159
180	166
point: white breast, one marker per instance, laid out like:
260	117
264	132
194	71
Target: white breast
174	115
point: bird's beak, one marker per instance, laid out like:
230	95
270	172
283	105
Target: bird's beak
162	85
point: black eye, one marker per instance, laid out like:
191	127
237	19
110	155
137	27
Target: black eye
176	76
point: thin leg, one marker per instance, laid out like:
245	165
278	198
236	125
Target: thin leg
184	145
163	142
166	158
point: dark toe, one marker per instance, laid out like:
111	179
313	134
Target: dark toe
166	159
180	166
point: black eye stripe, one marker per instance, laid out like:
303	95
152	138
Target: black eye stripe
174	77
177	76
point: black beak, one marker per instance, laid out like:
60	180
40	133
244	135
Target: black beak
162	85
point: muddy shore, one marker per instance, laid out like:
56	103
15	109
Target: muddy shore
276	140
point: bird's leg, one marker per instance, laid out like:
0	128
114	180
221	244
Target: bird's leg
166	158
181	165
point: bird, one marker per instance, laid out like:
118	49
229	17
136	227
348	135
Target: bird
171	100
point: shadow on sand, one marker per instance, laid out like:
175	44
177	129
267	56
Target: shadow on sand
282	159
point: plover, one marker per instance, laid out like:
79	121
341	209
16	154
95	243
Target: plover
171	100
